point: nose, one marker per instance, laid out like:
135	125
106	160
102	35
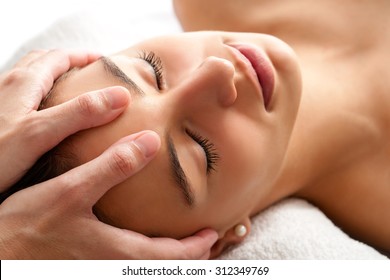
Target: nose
211	82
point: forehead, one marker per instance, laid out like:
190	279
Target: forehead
74	83
149	195
91	143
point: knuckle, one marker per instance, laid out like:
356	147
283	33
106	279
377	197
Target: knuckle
41	83
104	101
29	58
125	161
71	192
36	81
87	105
93	104
15	76
38	132
33	128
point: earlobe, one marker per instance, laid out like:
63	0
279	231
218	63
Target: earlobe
234	235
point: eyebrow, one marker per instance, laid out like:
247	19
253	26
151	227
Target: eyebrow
178	173
111	68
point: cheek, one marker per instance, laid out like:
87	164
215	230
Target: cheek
251	157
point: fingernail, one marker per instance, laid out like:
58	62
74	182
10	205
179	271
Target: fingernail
148	143
117	96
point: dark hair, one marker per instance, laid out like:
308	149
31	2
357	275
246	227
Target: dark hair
48	166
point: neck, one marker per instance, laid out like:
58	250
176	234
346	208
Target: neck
335	129
343	114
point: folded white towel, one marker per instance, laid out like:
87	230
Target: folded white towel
295	229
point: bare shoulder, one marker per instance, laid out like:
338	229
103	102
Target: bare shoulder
227	15
358	201
285	19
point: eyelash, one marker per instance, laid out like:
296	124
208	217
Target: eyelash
156	63
212	156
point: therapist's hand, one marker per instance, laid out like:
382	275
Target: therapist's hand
54	219
25	133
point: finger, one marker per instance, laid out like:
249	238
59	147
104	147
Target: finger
59	61
198	246
89	182
56	62
37	78
29	57
91	109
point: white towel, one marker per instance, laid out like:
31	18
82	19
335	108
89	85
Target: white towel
295	229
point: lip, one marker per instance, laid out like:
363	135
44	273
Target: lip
262	68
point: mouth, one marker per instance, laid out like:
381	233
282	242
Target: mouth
262	68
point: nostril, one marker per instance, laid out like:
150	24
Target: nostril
220	73
227	93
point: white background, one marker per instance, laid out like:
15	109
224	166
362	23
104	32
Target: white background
22	19
278	270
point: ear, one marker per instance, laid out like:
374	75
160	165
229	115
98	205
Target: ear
230	238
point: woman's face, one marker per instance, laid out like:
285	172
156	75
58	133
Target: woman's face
224	127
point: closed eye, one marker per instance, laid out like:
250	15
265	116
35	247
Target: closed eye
156	63
212	156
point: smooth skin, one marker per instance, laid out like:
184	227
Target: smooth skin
207	89
54	219
324	136
338	156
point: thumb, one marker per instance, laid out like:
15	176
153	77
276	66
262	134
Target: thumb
122	160
85	111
